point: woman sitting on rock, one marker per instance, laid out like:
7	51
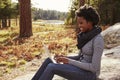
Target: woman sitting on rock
85	66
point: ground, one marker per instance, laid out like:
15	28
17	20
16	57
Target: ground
21	58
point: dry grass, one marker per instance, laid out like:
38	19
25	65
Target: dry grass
15	53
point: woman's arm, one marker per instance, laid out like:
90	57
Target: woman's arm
64	59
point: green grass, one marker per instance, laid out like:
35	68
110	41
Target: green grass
4	34
7	34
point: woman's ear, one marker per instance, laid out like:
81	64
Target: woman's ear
90	24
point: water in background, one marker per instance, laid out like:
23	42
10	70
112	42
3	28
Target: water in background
50	22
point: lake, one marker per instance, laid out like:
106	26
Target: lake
49	22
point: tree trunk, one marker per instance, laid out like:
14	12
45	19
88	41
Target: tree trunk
0	24
9	22
88	2
4	22
82	2
25	18
16	20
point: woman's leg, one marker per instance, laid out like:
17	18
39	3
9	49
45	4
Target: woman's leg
41	69
65	70
71	72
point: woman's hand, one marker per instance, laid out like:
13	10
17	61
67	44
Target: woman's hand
56	56
61	59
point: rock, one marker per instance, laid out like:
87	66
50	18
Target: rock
112	36
114	52
27	76
110	69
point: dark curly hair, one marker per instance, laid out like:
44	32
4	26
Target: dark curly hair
89	13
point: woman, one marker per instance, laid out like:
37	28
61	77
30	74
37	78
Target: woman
85	66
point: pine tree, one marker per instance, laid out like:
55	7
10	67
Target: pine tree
5	12
25	18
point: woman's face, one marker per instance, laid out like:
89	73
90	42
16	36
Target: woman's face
84	25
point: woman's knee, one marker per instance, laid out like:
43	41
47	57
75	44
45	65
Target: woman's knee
51	65
48	59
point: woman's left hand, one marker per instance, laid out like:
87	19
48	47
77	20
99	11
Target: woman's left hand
64	60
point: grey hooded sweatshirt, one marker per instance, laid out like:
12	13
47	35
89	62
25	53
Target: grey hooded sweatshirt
92	52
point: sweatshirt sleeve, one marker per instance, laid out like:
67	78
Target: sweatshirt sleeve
77	57
73	57
98	47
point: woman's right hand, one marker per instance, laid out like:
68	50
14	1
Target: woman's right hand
58	56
